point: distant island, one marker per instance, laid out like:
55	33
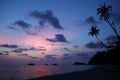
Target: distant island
46	64
79	63
54	64
31	64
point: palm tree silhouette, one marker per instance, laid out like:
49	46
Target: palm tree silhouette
103	11
94	32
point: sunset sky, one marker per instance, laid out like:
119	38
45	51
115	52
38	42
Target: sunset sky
52	31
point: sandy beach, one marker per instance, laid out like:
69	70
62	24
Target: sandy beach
98	73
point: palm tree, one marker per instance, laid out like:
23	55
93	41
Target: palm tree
103	11
94	32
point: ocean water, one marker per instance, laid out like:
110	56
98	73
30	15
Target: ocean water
27	72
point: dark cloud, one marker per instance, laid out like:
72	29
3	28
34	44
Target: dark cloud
9	46
11	27
32	48
26	55
94	45
83	55
52	40
111	39
6	52
68	56
22	24
50	57
65	54
42	49
20	50
3	53
42	23
23	55
115	17
30	33
58	38
26	27
46	16
76	46
90	20
33	57
66	49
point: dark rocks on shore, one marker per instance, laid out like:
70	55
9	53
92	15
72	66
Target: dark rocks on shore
107	57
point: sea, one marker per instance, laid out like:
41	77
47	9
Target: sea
32	71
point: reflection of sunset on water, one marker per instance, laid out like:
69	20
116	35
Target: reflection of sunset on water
36	71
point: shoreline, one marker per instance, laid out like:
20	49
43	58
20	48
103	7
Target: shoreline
97	73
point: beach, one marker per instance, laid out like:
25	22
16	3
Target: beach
97	73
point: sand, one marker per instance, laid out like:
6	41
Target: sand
98	73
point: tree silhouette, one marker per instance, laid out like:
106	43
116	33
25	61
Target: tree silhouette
103	11
94	32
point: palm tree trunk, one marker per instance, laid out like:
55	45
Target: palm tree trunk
113	29
101	41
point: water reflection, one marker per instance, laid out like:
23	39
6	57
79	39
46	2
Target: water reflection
36	71
27	72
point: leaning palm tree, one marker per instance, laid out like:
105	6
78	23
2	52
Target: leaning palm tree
94	32
103	11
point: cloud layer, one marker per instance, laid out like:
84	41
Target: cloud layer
94	45
46	16
58	38
115	17
8	46
22	24
91	21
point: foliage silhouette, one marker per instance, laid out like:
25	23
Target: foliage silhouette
107	57
111	56
103	11
94	32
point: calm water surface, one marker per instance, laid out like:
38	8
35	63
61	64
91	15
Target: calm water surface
27	72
